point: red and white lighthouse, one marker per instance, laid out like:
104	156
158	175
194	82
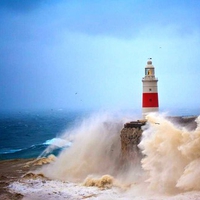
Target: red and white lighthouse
150	90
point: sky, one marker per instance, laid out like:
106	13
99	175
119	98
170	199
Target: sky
91	54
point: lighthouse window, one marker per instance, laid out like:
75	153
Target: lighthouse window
149	72
149	89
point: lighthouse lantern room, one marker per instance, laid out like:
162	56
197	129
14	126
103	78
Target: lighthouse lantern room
150	90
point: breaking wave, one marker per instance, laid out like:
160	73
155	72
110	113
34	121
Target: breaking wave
171	156
56	144
95	151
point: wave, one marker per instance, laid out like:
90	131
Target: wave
170	154
95	150
7	151
58	142
169	168
35	150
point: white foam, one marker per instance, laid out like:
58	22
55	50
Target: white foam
7	151
58	190
95	150
171	155
59	142
169	168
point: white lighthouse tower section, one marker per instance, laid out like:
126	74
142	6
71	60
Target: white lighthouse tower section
150	90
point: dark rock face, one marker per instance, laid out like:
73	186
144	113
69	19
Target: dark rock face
130	138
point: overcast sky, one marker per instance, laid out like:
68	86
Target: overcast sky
89	54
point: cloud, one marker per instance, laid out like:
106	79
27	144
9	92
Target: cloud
122	19
125	19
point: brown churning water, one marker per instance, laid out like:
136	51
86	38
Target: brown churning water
170	163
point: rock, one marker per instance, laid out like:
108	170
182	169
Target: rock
130	138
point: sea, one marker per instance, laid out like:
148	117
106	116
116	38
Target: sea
87	151
27	134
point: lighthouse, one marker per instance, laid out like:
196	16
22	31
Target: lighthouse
150	90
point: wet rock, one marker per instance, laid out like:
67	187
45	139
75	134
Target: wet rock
130	138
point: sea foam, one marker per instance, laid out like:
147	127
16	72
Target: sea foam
168	170
171	155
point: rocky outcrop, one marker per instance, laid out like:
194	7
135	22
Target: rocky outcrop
132	132
130	138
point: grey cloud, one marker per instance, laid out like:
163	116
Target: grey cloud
122	19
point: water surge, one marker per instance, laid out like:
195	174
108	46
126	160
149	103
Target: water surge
169	164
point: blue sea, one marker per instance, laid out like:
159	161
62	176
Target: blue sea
27	134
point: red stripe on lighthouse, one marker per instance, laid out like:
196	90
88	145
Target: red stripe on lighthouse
150	100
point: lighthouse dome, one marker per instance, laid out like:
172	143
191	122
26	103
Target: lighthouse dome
149	64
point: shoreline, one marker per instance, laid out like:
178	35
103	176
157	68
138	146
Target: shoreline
10	171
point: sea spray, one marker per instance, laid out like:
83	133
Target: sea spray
55	144
95	150
171	155
171	163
